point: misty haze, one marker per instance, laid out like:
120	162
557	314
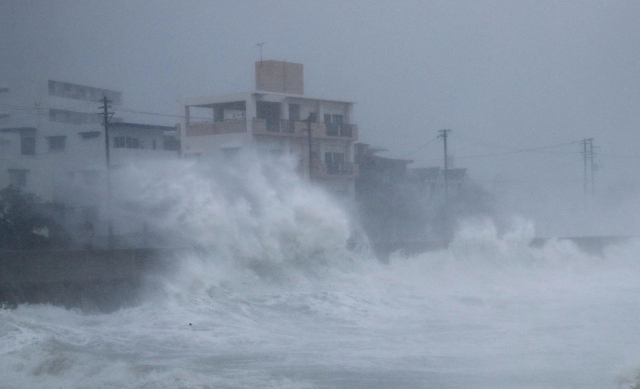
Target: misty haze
322	194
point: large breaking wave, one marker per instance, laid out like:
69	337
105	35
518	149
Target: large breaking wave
281	291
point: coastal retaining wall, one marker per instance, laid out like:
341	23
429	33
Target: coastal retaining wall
106	280
101	280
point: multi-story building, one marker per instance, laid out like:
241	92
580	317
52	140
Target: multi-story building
52	144
274	119
49	128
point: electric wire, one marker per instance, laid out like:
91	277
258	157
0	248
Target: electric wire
421	147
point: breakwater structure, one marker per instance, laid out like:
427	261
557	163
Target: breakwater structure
92	280
103	280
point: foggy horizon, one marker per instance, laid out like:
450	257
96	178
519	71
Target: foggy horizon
503	76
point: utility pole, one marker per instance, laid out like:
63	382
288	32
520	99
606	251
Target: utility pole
106	118
584	157
312	117
587	156
444	134
593	181
260	45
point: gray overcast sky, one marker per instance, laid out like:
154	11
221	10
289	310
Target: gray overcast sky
502	75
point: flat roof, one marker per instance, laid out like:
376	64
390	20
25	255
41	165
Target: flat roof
243	96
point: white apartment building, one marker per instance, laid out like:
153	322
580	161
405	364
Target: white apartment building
275	119
52	143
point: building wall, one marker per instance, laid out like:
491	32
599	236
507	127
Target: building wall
271	120
68	164
280	76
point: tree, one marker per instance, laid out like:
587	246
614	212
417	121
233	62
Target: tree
21	222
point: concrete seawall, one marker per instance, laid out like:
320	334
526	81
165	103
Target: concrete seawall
102	280
106	280
592	245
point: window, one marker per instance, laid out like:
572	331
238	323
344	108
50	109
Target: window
18	177
171	143
89	134
28	145
335	163
132	143
82	92
125	142
57	143
294	112
118	142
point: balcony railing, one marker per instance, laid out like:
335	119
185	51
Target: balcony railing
283	127
341	130
343	169
214	128
299	127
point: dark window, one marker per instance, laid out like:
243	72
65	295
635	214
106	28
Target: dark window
294	112
171	143
28	145
335	162
270	112
18	177
89	134
132	143
126	142
57	143
118	142
154	144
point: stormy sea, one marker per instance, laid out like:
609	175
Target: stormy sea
279	294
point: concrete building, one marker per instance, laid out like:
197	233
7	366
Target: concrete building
274	119
387	200
52	144
431	182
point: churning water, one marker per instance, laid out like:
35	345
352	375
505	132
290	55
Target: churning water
278	298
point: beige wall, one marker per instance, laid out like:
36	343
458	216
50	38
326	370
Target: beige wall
280	77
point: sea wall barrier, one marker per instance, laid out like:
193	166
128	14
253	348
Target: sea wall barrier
592	245
101	280
106	280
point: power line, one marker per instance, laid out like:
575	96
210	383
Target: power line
421	147
518	151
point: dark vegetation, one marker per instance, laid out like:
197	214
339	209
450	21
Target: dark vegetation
25	226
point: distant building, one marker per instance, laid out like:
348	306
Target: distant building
388	202
274	119
431	181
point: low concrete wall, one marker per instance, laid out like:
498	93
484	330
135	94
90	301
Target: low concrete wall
593	245
101	280
106	280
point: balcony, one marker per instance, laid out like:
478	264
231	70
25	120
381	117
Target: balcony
299	128
283	127
341	130
215	128
336	170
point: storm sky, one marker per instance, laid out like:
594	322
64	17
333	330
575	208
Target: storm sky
502	75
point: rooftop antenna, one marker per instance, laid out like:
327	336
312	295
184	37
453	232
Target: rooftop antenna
260	44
